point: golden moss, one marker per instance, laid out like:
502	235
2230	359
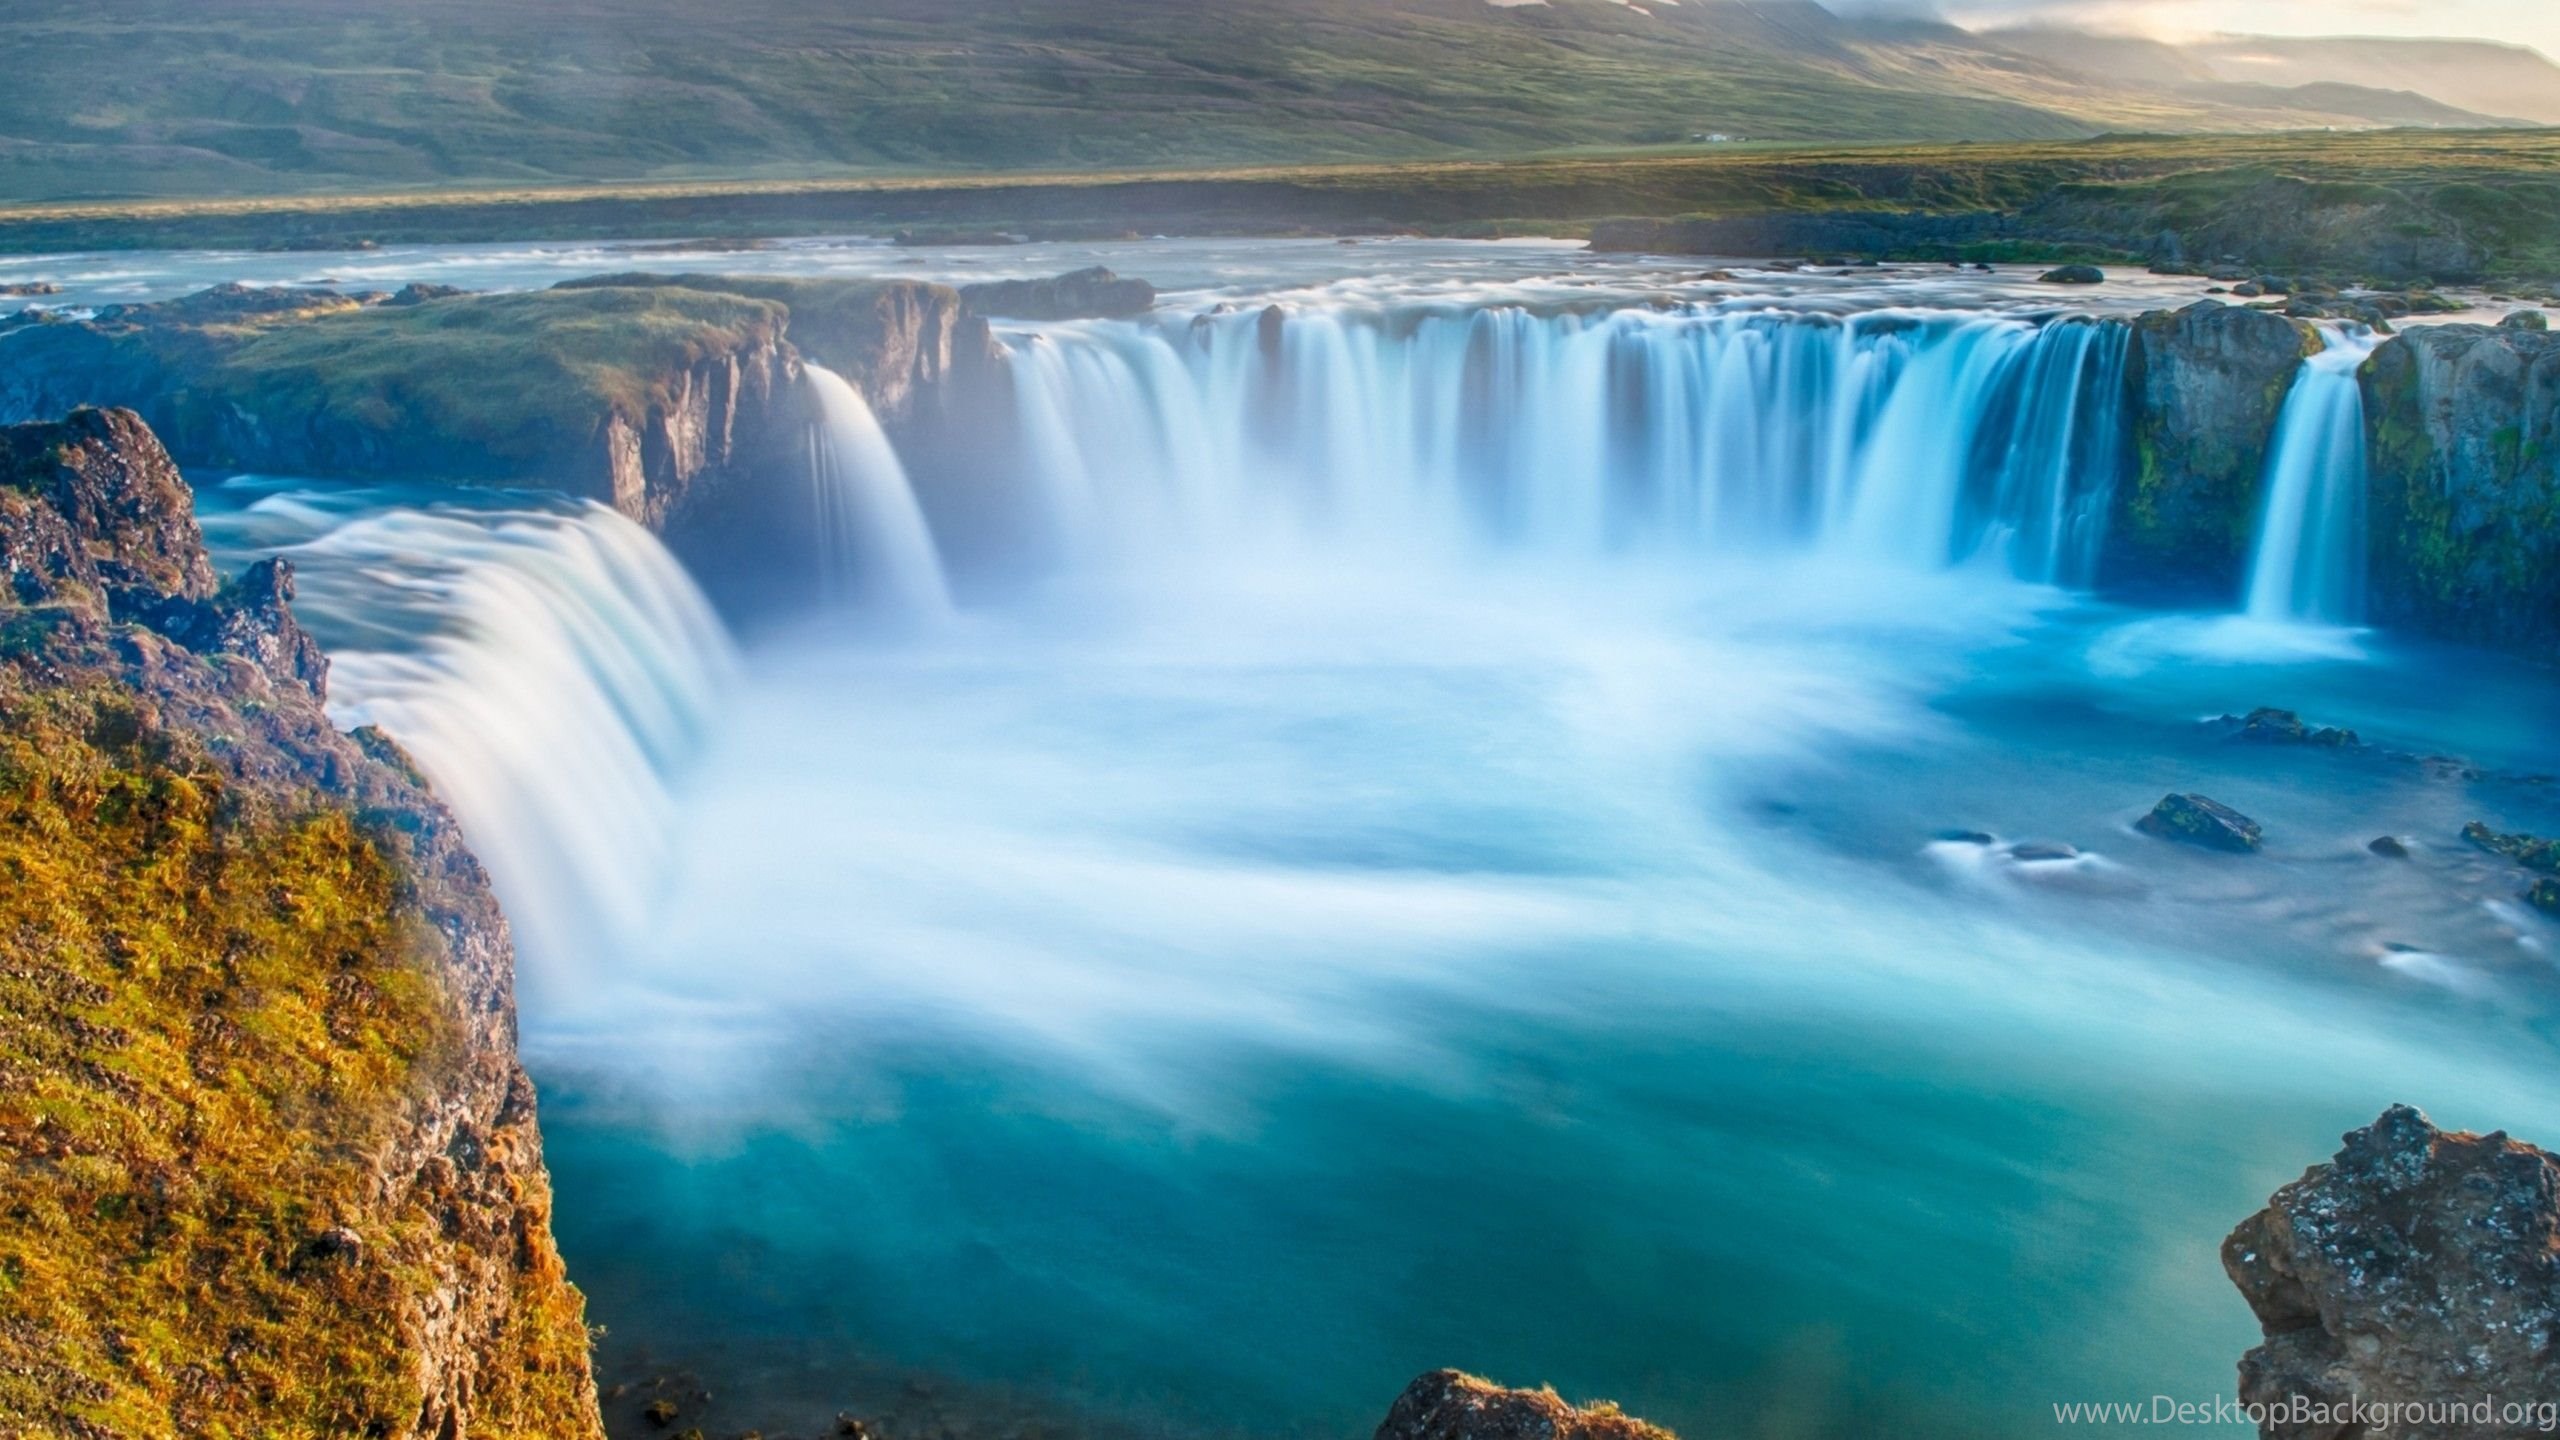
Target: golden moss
215	1011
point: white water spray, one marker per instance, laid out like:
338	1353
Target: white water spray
874	548
1920	437
2310	554
567	667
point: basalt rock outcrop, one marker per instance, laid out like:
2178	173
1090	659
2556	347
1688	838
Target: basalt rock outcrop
634	397
2417	1276
1094	293
2207	384
2462	424
895	340
1453	1405
268	1164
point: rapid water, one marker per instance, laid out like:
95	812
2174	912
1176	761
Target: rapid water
1520	839
874	551
2309	559
1915	437
549	666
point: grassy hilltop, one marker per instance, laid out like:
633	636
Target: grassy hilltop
133	98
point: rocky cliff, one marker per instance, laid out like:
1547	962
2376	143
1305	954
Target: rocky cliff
2207	383
2416	1276
268	1165
2463	431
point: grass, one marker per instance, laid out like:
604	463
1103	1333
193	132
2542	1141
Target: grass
216	1007
2498	192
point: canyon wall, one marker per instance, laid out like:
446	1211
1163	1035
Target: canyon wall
268	1163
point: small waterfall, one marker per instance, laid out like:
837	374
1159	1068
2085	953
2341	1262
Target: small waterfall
2310	554
1925	437
549	671
874	549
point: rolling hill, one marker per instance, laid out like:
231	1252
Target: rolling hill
285	96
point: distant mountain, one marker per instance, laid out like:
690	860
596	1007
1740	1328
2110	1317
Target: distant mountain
2476	75
181	97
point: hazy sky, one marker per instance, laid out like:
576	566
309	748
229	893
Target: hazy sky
2526	22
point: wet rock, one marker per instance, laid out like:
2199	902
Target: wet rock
2267	725
2207	384
661	1413
1968	837
2199	820
2421	1267
1451	1405
2525	320
851	1426
2531	851
2389	847
2463	450
2544	896
2074	275
1091	293
30	287
2032	850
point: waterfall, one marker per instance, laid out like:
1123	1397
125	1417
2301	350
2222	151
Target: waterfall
873	547
2309	561
548	671
1926	437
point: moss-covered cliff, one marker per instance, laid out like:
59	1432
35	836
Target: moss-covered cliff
268	1166
2462	426
2206	386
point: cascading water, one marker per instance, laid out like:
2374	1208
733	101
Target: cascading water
873	547
548	669
1924	437
2309	561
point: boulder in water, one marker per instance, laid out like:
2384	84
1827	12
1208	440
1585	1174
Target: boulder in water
2544	895
2525	320
1452	1405
2199	820
2389	847
2268	725
2074	275
2531	851
2418	1269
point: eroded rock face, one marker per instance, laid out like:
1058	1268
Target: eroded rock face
285	1174
1453	1405
2208	383
2420	1268
2462	424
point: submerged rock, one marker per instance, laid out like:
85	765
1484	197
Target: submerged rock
2531	851
2074	275
2389	847
1453	1405
2198	820
2267	725
2420	1268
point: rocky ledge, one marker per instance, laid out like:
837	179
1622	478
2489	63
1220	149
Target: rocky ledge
268	1164
2416	1275
1453	1405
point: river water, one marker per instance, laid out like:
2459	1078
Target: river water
1402	863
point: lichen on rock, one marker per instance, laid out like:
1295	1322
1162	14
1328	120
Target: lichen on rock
2420	1268
268	1165
1453	1405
